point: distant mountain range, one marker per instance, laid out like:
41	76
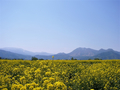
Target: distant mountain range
24	52
11	55
79	53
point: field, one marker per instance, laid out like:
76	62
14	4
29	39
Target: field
60	75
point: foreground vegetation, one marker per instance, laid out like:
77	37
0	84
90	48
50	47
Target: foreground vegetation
60	75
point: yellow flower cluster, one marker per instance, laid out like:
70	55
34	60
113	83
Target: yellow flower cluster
60	75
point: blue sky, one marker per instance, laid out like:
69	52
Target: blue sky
55	26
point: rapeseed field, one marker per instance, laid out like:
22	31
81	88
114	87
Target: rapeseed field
60	75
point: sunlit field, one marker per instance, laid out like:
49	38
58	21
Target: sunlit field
60	75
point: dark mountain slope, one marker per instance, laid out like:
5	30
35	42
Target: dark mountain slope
107	55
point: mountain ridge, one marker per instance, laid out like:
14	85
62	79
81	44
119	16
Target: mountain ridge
88	51
24	52
78	53
82	52
11	55
107	55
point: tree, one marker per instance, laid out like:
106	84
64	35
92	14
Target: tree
72	58
0	58
41	59
34	58
96	59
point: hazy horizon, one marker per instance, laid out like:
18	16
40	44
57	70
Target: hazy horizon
56	26
50	52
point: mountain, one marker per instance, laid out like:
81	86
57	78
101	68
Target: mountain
24	52
10	55
62	56
56	56
88	52
107	55
83	52
79	53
